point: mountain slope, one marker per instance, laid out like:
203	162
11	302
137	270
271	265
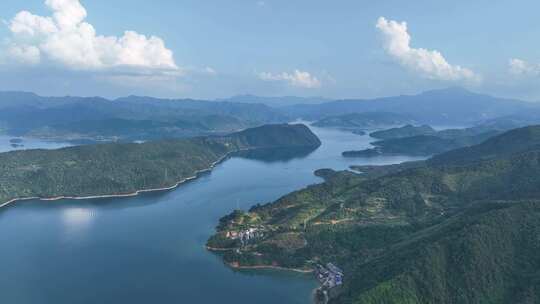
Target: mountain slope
511	142
405	131
487	254
431	232
431	143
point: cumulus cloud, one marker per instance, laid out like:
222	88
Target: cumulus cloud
297	78
429	63
524	68
65	38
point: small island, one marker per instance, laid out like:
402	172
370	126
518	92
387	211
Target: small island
363	153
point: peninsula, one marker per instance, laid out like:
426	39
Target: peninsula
116	169
446	230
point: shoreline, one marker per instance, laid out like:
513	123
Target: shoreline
132	194
269	267
123	195
263	267
233	266
218	249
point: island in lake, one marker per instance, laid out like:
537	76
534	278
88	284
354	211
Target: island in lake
117	169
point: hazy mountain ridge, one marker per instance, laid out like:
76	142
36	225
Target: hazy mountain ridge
57	117
446	106
85	119
280	101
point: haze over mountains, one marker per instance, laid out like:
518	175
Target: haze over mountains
446	106
277	101
136	117
129	118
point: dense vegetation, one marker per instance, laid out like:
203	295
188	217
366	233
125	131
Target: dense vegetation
462	227
405	131
124	168
425	141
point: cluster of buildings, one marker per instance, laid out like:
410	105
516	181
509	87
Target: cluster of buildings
245	236
330	275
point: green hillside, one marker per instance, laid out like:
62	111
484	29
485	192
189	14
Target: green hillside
125	168
428	232
424	141
405	131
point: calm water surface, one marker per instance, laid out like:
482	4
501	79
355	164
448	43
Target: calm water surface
29	143
150	249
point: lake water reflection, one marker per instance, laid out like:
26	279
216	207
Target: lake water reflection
150	249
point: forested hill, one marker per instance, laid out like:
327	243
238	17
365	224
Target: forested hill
462	229
511	142
110	169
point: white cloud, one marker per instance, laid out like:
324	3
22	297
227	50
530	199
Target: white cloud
65	38
210	71
297	78
521	67
430	63
24	53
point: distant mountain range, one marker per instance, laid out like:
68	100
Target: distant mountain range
127	118
147	118
447	106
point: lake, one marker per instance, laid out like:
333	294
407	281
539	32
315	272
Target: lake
150	248
29	143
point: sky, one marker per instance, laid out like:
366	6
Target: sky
216	49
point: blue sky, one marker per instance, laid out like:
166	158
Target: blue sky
212	49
